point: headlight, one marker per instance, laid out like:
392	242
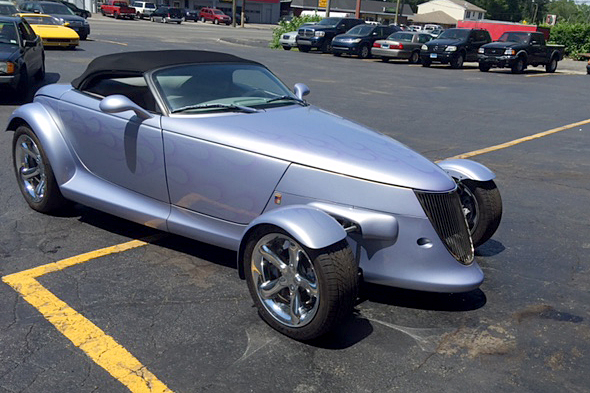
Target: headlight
451	48
6	67
320	33
510	52
86	22
480	50
355	40
424	47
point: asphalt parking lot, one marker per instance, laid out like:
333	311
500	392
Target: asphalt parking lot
174	315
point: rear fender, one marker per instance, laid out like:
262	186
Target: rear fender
461	169
39	119
310	226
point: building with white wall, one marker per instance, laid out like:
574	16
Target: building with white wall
457	9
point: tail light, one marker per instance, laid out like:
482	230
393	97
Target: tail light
376	45
396	45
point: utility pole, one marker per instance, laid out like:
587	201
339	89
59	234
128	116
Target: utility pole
233	13
243	13
396	12
357	13
327	8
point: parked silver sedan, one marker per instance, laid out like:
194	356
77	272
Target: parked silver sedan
216	148
401	45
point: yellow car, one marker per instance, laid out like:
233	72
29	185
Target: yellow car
52	31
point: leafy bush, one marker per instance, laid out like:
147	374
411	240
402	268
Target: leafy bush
575	37
292	25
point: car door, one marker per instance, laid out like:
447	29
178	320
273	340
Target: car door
538	51
120	148
32	48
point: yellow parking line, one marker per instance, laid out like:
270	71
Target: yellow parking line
99	346
521	140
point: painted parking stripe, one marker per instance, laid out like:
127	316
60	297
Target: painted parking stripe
521	140
99	346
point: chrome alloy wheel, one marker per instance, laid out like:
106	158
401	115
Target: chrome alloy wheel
285	280
30	168
470	206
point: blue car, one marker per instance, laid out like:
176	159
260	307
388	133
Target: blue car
216	148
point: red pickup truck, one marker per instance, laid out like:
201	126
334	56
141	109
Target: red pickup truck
117	9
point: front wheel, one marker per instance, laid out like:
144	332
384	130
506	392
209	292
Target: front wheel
483	67
518	66
300	292
303	48
551	66
34	173
482	206
414	58
215	21
457	62
285	47
365	52
426	63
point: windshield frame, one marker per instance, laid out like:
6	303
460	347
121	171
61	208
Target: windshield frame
253	102
459	34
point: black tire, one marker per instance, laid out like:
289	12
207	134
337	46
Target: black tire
179	22
518	66
303	48
365	52
41	190
327	47
482	205
483	67
202	19
102	12
337	54
414	58
285	47
552	65
152	19
457	61
426	63
324	283
215	21
83	37
385	59
115	15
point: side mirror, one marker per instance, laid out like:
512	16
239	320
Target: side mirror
118	103
29	43
301	90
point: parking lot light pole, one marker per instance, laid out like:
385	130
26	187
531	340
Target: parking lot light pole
233	13
357	12
243	18
328	8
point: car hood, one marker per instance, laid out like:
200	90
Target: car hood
445	41
502	45
54	31
312	137
7	51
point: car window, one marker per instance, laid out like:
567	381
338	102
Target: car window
7	9
454	34
8	34
423	38
406	37
360	30
135	88
56	8
228	84
42	20
26	31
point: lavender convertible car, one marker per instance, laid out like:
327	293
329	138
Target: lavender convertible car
215	148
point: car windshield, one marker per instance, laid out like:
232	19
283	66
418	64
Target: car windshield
401	37
150	5
56	8
8	33
521	38
120	4
199	88
7	9
361	30
217	12
454	34
42	20
329	22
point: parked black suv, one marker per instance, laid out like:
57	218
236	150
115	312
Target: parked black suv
454	46
517	50
359	40
320	35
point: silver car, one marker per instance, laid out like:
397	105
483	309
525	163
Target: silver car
401	45
216	148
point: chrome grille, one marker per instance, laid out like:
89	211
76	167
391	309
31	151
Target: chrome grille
306	33
446	215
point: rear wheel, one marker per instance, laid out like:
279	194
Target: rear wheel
300	292
414	58
202	19
482	206
426	63
385	59
115	15
303	48
34	173
551	66
285	47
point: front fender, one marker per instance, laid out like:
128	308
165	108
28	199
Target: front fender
310	226
39	119
462	169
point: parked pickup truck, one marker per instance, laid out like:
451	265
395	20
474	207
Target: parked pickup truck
117	9
519	49
320	35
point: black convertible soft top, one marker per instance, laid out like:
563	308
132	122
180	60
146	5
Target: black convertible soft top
136	63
